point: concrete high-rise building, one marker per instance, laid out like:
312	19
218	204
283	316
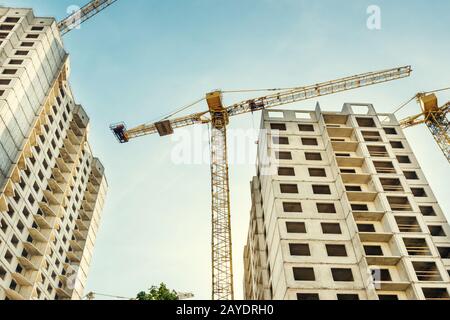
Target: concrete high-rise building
52	189
342	210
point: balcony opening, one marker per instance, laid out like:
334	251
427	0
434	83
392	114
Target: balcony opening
366	227
309	142
427	211
304	274
391	185
384	167
342	275
419	192
335	119
427	271
2	273
399	203
317	172
295	227
381	275
359	207
326	208
280	140
411	175
353	188
278	126
307	296
408	224
289	188
285	171
371	136
348	171
336	250
387	297
331	228
417	247
366	122
343	155
390	131
397	145
297	249
306	127
341	296
437	231
444	252
321	189
375	251
378	151
404	159
283	155
313	156
295	207
436	293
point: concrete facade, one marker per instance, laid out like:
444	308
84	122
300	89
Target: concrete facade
52	188
341	210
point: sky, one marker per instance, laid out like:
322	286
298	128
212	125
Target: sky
141	59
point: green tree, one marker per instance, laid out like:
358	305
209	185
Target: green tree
158	293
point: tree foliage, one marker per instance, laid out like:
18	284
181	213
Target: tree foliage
158	293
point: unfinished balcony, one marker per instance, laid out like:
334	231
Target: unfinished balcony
349	161
378	151
366	212
49	210
376	256
383	280
74	257
384	167
360	193
43	222
399	204
79	234
426	271
336	121
28	262
438	294
391	185
52	199
417	247
371	136
408	224
55	186
59	176
74	139
62	166
66	156
39	235
22	278
82	225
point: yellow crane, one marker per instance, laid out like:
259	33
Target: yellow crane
82	15
218	117
433	116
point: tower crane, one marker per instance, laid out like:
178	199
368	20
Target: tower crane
218	117
82	15
435	118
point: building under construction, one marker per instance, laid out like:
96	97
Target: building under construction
52	188
342	210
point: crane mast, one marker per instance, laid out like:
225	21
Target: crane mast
218	117
82	15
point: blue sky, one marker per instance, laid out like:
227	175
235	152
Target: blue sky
141	59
